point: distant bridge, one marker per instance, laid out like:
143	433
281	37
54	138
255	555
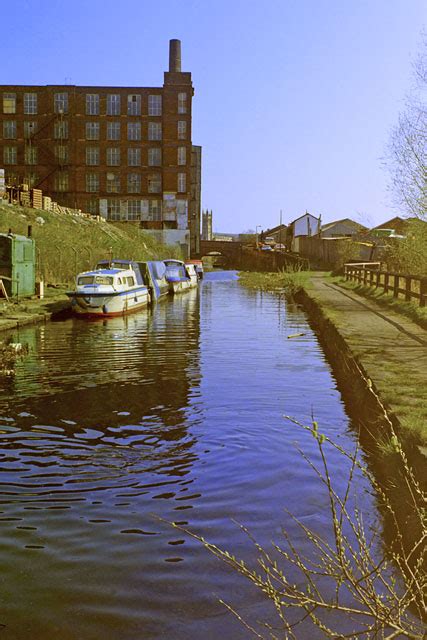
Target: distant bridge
230	250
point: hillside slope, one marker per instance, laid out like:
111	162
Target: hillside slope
67	244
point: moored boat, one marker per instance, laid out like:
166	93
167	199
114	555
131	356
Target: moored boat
114	288
180	276
199	267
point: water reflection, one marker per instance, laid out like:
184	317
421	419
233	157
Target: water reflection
175	412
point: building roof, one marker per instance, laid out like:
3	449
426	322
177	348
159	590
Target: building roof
280	227
391	224
348	221
303	216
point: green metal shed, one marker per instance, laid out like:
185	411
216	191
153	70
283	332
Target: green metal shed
18	264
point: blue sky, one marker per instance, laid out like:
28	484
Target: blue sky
294	99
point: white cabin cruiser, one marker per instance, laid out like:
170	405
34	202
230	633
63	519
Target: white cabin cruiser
107	292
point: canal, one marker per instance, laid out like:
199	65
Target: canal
112	429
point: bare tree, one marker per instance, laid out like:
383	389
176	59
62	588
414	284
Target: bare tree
406	156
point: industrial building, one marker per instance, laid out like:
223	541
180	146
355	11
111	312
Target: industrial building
124	153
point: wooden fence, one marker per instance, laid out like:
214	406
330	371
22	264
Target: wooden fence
370	275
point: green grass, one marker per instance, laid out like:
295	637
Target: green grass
289	280
66	244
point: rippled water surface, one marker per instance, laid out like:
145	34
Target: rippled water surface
113	429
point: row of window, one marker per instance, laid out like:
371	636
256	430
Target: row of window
113	182
128	210
93	101
93	156
92	130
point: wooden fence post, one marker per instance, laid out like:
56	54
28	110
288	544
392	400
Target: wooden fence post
408	283
423	292
396	286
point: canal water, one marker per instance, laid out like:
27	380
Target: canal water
111	430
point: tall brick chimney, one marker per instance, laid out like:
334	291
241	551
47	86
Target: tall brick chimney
175	56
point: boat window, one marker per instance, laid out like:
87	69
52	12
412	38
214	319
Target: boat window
85	280
131	281
104	280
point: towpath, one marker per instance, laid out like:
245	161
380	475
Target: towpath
390	347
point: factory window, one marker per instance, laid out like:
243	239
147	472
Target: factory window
61	152
61	181
155	209
92	130
113	156
154	130
155	105
134	157
155	183
154	157
9	103
30	103
60	130
134	209
113	209
30	129
134	131
113	104
182	103
182	182
92	104
92	182
134	105
113	183
134	183
30	155
92	155
182	155
113	130
182	130
9	129
31	179
60	102
10	155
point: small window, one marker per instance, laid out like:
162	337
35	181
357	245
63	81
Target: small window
92	182
104	280
113	183
155	183
155	105
31	179
60	130
113	209
154	130
131	281
134	183
92	104
182	130
61	152
9	103
154	157
134	131
30	155
134	105
61	181
182	155
155	209
182	182
113	130
30	103
92	155
113	104
30	129
113	156
9	129
60	102
85	280
134	157
92	130
182	103
10	155
134	211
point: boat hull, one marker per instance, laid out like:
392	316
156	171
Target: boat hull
107	306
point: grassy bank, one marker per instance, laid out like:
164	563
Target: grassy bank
67	244
288	280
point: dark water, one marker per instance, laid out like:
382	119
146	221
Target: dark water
175	413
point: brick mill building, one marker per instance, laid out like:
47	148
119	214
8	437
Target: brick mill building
124	153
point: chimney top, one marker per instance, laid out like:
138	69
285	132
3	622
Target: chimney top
175	56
